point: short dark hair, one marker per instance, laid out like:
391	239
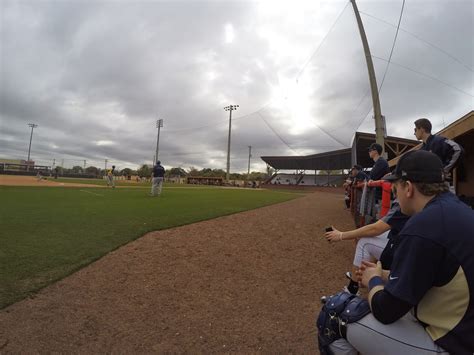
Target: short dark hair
423	123
377	147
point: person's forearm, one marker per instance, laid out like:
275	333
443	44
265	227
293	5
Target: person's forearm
385	307
371	230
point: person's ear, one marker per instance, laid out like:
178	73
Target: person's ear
410	190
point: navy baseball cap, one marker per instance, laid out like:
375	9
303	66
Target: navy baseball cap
418	166
158	162
377	147
357	167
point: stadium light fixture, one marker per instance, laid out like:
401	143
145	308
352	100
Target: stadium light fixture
229	108
159	124
33	126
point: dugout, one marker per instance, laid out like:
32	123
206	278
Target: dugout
394	147
24	169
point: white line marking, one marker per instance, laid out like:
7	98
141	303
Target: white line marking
91	193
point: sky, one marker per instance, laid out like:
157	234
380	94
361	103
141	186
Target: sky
95	76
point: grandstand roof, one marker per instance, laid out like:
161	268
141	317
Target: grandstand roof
342	158
334	160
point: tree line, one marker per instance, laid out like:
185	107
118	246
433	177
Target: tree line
145	171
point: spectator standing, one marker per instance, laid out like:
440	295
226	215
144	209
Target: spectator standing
447	150
380	167
158	174
356	175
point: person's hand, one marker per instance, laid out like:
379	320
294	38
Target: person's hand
370	270
447	175
362	268
333	236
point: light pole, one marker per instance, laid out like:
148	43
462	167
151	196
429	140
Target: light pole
229	108
159	124
33	126
250	155
380	132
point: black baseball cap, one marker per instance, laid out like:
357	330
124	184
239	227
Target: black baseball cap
377	147
418	166
158	162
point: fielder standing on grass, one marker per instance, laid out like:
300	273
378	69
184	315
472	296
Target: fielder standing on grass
110	177
158	175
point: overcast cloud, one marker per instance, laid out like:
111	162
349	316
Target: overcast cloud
96	75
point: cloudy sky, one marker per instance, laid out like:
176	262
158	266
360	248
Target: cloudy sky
96	75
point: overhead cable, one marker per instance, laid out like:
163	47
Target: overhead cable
425	75
421	40
276	133
321	43
393	46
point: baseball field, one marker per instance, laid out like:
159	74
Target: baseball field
94	269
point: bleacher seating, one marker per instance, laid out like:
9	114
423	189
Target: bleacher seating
307	179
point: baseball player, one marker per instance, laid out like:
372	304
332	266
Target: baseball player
425	303
373	240
380	167
447	150
157	181
110	177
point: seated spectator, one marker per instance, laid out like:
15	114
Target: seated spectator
372	240
432	272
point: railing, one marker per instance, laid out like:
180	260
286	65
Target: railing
370	201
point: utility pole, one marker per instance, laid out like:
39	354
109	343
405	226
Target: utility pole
54	163
84	164
33	126
229	108
380	132
159	124
105	167
250	155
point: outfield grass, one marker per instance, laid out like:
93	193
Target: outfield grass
48	233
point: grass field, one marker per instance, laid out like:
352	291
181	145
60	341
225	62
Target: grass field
48	233
101	182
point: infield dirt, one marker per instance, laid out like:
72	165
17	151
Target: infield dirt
246	283
18	180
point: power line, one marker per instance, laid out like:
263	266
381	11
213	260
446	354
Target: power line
276	133
421	40
426	75
393	47
321	43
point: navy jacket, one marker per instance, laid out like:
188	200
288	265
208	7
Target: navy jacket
379	170
158	171
447	150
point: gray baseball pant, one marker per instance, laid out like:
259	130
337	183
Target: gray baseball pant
370	337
